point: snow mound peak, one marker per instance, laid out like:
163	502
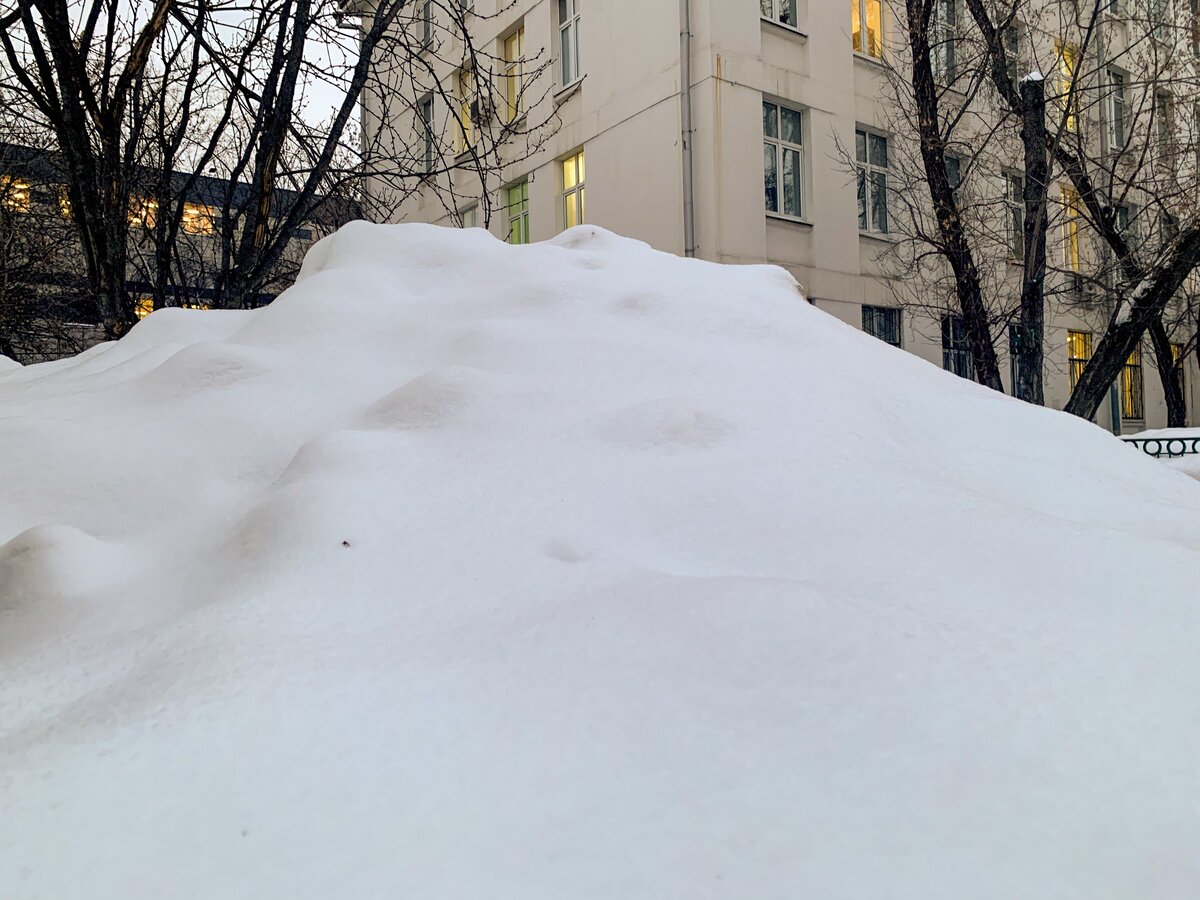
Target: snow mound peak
578	569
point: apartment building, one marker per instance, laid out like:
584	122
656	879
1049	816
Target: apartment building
786	160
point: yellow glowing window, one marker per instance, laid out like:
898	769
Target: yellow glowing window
14	194
868	40
1131	386
195	306
143	212
1068	64
1070	229
514	54
573	190
64	202
198	219
1079	351
143	306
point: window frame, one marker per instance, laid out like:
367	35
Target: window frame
769	11
1133	387
568	28
575	195
859	39
1077	361
1116	109
1014	214
513	73
425	116
956	349
781	146
1072	217
872	315
943	50
865	172
521	218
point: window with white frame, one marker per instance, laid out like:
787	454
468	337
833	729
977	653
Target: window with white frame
573	190
514	75
783	159
1115	110
1010	38
781	11
518	213
871	153
426	10
943	32
465	89
1014	214
568	41
425	127
866	27
469	217
956	349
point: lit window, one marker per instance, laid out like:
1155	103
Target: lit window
143	306
956	351
781	11
143	212
573	196
465	137
568	32
1131	386
866	27
1179	370
1070	229
1014	214
198	219
871	151
514	57
882	322
518	212
783	159
64	202
1068	64
1079	351
14	194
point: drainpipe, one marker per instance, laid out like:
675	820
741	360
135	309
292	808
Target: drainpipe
685	119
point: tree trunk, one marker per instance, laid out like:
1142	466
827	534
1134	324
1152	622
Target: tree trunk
1030	384
955	246
1168	373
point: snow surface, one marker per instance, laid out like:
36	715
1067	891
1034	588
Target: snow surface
6	363
1189	464
578	571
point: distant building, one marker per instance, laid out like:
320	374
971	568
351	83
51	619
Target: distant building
46	311
784	95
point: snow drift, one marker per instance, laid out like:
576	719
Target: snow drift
578	570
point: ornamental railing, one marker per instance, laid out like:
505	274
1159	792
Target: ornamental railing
1168	448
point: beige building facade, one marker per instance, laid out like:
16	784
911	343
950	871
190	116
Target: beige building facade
782	95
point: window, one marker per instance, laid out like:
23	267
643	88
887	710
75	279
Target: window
466	99
514	87
943	31
568	34
866	27
954	174
1016	344
783	159
426	23
1068	64
956	352
198	219
1195	27
1070	229
1079	351
425	125
469	216
1170	228
1010	37
1115	110
14	194
1131	386
1163	113
143	306
143	212
573	197
1159	10
1179	371
466	5
781	11
871	151
1014	214
518	213
882	322
304	234
64	201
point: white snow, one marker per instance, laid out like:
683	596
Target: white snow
1188	464
6	363
578	571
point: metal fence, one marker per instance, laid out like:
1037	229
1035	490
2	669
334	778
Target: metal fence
1168	448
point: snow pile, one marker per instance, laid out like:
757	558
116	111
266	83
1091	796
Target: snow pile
6	363
1188	464
578	570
